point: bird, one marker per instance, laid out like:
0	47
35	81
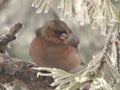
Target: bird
54	47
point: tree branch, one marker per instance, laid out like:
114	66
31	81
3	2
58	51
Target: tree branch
10	36
17	72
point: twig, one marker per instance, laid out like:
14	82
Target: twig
10	36
118	50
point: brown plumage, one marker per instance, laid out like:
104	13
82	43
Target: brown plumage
52	48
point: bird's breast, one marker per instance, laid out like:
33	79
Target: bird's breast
46	54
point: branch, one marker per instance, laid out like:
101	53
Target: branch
17	72
10	36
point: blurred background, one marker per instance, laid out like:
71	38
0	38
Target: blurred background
13	11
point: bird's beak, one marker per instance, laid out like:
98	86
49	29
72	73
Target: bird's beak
38	32
63	36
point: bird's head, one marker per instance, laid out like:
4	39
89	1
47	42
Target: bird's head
55	31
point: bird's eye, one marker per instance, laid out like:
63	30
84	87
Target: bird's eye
59	33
